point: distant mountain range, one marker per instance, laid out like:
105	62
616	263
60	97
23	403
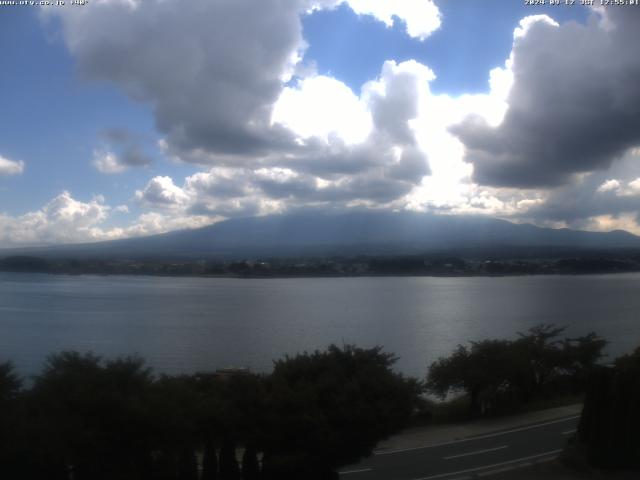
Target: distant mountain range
351	233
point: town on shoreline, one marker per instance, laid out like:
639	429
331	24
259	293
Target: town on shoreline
339	266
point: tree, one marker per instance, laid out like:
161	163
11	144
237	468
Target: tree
250	465
11	431
492	372
328	409
10	383
482	371
92	416
610	420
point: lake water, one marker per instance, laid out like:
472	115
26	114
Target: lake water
189	324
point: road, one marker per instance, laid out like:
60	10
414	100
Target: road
472	457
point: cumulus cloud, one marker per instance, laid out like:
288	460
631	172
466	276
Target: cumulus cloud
609	186
107	162
592	201
65	219
210	90
231	98
227	97
10	167
321	106
386	157
62	220
213	91
572	104
120	153
421	17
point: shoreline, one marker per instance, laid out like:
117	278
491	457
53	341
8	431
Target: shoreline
337	275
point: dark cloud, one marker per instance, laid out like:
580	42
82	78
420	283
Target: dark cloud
120	151
117	135
579	201
573	107
211	71
133	156
392	111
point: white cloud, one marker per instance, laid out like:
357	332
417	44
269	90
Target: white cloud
65	219
62	220
161	192
107	162
607	223
213	91
152	223
421	17
632	188
231	96
323	106
609	186
557	93
120	151
10	167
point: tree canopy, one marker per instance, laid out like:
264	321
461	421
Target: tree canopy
513	371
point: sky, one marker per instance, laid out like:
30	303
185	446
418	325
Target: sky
123	118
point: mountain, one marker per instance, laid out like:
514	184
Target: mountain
351	233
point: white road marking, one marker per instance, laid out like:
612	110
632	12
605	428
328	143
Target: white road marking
362	470
477	452
479	437
569	432
484	467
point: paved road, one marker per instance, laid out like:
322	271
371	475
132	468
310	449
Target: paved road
472	457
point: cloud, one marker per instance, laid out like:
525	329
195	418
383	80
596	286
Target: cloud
10	167
232	98
609	186
62	220
129	153
213	91
65	219
421	17
161	192
592	201
323	107
226	96
107	162
210	90
572	104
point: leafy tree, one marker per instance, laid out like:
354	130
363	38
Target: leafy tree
229	468
174	406
11	434
250	465
92	417
482	371
328	409
608	429
209	462
543	356
495	371
10	383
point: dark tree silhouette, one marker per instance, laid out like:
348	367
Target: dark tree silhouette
328	409
494	372
209	462
610	421
250	465
11	433
92	417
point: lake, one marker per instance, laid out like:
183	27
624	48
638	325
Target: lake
188	324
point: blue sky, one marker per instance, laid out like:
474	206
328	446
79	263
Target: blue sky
352	47
121	119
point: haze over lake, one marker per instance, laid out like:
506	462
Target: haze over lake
189	324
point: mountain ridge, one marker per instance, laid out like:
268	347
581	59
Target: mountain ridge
346	233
